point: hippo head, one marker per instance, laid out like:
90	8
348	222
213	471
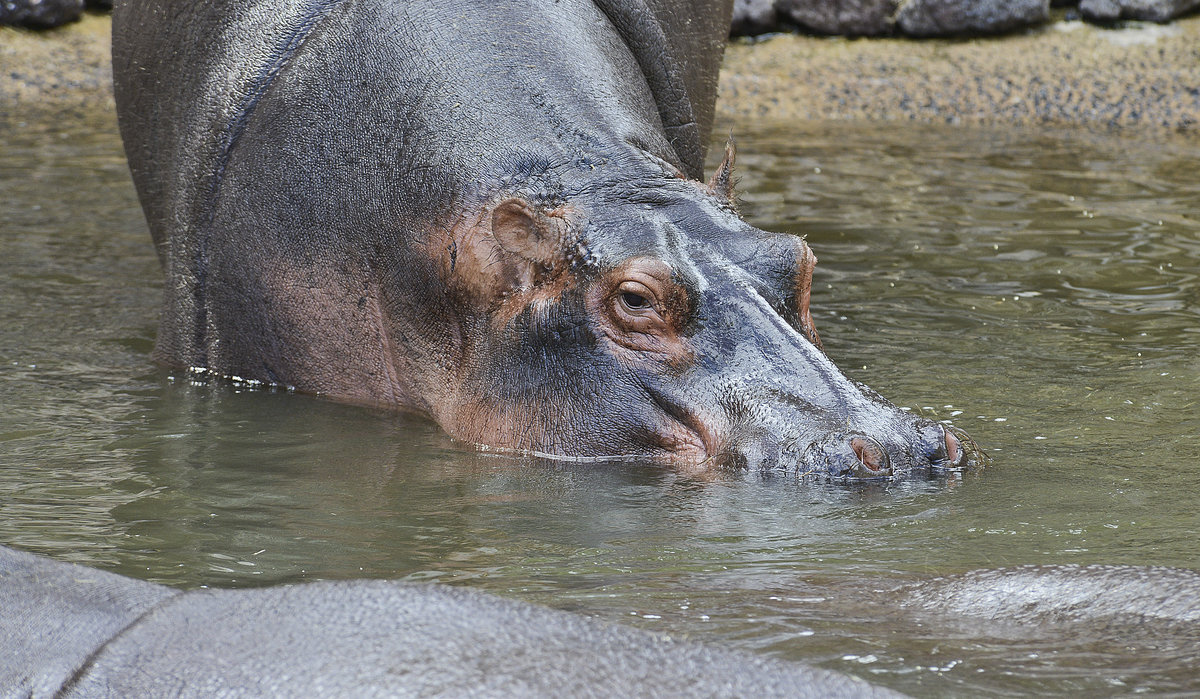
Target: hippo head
478	212
644	318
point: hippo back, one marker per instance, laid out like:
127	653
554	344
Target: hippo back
53	617
679	45
186	74
196	84
75	632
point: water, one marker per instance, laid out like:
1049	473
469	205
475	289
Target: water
1037	289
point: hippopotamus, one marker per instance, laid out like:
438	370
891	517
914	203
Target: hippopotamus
72	631
1156	597
491	214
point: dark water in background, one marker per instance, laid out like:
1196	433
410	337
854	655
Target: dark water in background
1039	290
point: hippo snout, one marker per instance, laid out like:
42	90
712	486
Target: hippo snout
857	455
939	446
847	456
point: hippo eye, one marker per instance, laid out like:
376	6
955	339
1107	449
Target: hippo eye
635	298
634	302
641	308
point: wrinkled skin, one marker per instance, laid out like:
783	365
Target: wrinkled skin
490	215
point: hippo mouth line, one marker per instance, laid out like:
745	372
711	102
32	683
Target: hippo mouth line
873	464
689	437
691	429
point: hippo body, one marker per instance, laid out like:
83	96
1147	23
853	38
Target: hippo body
72	631
489	214
1150	597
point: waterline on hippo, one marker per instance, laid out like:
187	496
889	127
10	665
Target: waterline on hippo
510	236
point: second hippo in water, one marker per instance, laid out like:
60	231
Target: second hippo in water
490	214
71	631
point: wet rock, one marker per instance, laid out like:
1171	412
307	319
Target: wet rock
40	14
850	17
959	17
751	17
1100	10
1149	10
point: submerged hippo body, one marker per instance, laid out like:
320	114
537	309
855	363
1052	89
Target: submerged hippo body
71	631
489	213
1154	598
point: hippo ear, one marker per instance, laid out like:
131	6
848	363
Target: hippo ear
529	233
721	183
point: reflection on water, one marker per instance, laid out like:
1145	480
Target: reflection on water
1038	290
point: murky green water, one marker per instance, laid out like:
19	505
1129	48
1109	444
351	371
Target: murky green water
1040	290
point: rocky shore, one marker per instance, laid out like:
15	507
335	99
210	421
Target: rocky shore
1134	74
60	70
1125	75
47	14
926	18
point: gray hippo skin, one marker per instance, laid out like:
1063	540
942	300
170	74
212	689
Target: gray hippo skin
72	631
1131	595
489	214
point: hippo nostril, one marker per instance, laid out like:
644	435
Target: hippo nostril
870	453
851	456
953	448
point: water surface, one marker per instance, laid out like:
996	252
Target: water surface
1037	289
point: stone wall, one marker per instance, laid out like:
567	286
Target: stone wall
936	18
1141	76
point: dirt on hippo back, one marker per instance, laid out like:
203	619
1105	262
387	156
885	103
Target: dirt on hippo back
1132	75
